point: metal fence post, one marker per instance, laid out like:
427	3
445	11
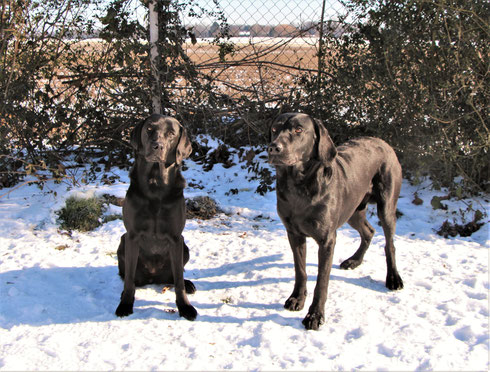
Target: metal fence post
320	49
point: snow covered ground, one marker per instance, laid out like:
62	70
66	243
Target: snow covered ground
59	292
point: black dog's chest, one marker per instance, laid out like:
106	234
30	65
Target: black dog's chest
157	223
154	219
155	247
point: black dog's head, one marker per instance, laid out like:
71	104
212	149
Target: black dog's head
298	138
161	139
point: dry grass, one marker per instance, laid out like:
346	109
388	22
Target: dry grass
261	68
277	51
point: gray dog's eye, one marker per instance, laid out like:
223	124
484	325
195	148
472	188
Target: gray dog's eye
298	130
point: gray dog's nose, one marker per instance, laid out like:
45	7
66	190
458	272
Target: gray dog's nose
275	148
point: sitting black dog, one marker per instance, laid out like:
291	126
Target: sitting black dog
153	249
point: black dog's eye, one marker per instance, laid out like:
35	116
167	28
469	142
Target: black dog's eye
298	130
149	129
273	130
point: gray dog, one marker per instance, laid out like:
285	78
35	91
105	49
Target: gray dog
319	188
153	249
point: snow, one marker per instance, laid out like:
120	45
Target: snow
59	291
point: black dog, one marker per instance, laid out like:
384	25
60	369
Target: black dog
319	188
153	249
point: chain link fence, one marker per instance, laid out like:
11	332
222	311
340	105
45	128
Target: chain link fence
264	46
226	68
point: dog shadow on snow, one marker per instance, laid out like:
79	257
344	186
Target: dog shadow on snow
63	295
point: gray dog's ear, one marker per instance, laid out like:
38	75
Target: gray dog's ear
269	134
184	147
326	149
135	138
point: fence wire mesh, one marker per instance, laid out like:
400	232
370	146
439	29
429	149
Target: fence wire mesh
263	46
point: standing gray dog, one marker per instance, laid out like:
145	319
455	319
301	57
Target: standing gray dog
153	249
319	188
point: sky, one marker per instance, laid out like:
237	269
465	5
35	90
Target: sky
268	12
249	12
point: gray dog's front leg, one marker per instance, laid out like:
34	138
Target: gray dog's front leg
125	307
296	301
316	314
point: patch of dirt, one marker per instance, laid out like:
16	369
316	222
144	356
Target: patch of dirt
454	229
202	207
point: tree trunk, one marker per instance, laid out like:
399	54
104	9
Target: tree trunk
154	58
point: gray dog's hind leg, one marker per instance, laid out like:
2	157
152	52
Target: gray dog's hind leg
359	222
387	217
387	199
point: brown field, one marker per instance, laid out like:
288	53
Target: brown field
263	68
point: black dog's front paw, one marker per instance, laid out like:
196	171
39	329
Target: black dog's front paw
313	320
187	311
394	281
294	303
124	310
190	288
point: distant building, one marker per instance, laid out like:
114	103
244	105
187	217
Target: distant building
307	29
260	30
283	31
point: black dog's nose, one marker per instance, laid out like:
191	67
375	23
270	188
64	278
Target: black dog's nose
156	145
275	148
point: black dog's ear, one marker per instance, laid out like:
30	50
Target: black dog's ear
326	148
135	139
184	147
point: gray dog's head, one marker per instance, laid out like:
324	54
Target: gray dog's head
298	138
161	139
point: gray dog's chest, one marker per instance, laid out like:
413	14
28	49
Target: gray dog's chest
303	219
